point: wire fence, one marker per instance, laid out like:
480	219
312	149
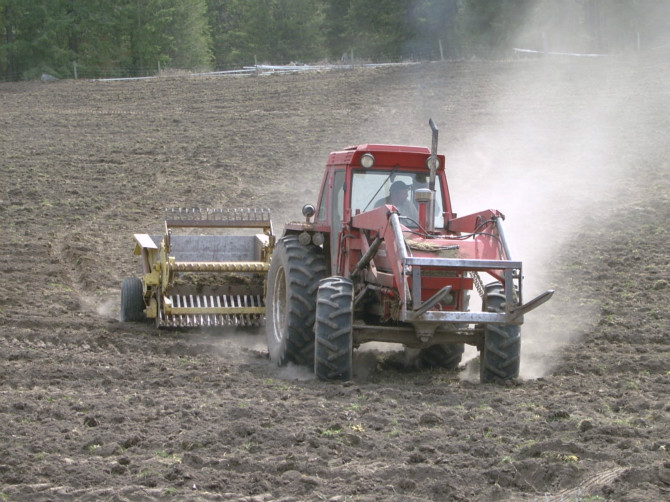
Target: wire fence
77	70
347	61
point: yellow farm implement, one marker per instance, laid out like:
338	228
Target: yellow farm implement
204	275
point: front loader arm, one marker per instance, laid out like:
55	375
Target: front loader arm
385	224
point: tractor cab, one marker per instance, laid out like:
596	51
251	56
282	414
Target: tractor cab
365	177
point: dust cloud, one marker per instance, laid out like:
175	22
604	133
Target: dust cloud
552	157
549	145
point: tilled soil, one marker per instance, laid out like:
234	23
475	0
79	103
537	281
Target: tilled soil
575	153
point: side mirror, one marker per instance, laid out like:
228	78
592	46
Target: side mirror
308	211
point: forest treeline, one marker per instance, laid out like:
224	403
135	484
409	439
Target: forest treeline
93	38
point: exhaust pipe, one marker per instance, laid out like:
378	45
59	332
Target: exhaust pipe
432	165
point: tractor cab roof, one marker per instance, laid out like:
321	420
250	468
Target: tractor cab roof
384	156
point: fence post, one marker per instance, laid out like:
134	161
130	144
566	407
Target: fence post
74	64
441	53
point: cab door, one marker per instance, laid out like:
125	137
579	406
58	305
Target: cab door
336	214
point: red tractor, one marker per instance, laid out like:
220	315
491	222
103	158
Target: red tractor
383	257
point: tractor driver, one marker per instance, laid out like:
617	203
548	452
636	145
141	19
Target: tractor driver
399	197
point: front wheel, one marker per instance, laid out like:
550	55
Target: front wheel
501	354
333	355
293	279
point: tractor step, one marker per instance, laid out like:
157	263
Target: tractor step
208	310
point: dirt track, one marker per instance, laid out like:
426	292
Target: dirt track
575	154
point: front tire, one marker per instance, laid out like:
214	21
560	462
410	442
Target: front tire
293	280
333	355
501	355
132	300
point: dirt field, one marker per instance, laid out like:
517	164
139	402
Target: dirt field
575	153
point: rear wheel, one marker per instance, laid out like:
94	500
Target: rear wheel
447	356
333	357
293	280
132	300
501	355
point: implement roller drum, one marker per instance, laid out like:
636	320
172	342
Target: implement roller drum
219	267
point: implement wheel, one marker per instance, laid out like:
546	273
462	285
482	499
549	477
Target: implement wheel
293	279
501	354
132	300
333	356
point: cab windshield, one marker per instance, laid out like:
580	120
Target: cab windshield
371	189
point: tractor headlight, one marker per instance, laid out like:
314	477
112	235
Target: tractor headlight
367	160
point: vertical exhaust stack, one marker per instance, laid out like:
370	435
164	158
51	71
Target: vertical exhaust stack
432	165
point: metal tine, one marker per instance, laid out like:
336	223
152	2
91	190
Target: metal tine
204	319
184	303
235	318
201	322
239	319
252	318
225	304
219	316
161	319
213	317
183	318
165	320
210	321
260	304
191	318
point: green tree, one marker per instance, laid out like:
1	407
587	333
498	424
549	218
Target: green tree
490	28
336	28
35	37
267	30
378	30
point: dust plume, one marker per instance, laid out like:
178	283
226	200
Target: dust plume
547	142
552	157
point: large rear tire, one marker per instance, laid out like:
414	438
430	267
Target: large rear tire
446	356
333	355
501	355
293	280
132	300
